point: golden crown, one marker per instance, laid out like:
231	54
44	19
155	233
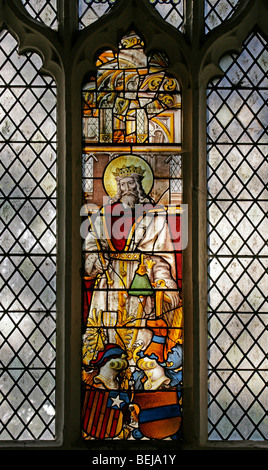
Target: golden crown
128	171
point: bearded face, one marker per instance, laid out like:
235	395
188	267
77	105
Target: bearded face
129	192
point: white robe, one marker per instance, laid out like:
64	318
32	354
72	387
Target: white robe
150	237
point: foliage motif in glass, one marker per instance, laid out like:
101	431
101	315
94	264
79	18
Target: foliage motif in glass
133	99
132	318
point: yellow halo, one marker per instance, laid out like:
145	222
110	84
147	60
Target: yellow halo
109	180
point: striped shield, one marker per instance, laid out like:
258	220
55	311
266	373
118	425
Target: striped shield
160	414
103	412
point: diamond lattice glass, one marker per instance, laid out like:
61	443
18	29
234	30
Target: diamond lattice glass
28	245
171	11
237	245
216	11
44	11
90	11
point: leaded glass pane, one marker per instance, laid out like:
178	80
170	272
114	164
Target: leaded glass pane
216	11
28	246
90	11
44	11
171	11
132	317
237	245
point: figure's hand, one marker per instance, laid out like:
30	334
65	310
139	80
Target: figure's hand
93	264
174	296
101	266
170	290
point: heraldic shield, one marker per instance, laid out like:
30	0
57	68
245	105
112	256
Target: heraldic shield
104	412
160	414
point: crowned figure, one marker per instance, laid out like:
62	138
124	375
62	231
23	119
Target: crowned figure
130	256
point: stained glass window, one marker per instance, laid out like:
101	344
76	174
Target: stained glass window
28	246
132	317
237	245
216	11
44	11
127	368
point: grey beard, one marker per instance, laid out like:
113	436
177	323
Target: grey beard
129	200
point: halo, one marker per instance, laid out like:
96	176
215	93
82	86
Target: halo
109	181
